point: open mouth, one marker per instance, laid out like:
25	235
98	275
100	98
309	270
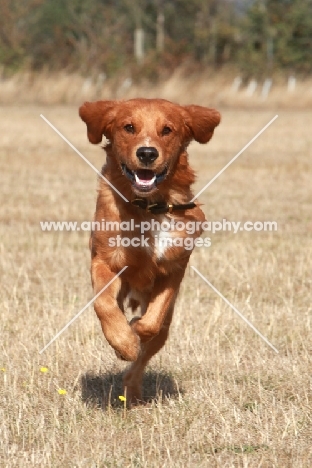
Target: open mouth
144	180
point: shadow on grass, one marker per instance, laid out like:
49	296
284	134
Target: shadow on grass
104	390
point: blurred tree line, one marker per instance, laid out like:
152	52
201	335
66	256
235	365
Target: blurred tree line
258	37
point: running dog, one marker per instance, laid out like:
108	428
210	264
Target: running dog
147	163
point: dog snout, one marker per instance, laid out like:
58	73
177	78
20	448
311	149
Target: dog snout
147	154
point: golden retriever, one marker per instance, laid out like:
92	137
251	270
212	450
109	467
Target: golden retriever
147	162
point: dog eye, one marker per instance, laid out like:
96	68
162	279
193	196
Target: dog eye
166	130
129	128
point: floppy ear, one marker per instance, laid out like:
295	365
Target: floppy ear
202	122
99	117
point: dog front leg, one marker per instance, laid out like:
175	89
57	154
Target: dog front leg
162	298
114	324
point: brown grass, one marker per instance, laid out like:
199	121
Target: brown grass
206	88
219	396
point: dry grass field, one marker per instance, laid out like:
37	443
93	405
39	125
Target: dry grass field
217	395
206	88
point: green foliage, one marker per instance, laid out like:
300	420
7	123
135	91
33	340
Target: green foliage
296	50
79	34
258	36
276	35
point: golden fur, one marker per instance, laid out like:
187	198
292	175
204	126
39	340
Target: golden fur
162	129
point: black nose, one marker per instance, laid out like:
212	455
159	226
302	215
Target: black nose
147	154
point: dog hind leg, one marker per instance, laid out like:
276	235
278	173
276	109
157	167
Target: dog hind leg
132	380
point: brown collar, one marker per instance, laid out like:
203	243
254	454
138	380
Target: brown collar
162	207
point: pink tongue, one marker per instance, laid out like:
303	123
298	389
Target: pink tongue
145	175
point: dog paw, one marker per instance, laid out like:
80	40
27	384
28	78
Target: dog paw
145	333
119	356
133	322
129	349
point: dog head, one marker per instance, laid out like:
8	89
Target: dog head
146	136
